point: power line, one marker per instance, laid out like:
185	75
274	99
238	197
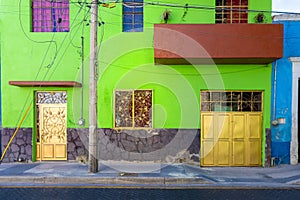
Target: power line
67	45
39	42
35	41
201	7
170	4
188	74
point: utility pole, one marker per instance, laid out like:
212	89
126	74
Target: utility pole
93	135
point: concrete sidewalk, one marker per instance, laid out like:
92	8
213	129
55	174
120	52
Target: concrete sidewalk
146	175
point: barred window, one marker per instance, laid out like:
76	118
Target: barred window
133	109
133	15
50	15
231	11
234	101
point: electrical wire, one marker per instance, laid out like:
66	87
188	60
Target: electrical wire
204	32
83	26
40	42
20	122
57	50
62	56
15	132
32	40
171	4
201	7
187	74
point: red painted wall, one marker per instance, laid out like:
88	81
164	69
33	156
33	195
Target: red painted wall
224	43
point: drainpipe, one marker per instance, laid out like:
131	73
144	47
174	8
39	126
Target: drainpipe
81	121
274	92
274	121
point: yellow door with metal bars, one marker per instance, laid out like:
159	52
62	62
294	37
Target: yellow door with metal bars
52	141
231	138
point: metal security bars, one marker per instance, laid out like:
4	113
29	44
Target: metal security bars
231	11
133	15
133	109
231	101
50	16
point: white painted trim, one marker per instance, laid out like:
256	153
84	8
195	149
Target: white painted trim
286	17
294	139
294	59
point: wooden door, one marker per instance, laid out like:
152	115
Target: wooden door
52	132
231	138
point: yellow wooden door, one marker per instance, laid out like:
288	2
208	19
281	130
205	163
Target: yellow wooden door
53	135
231	138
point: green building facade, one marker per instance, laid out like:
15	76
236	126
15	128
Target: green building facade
152	106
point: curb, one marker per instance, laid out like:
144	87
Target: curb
294	182
140	181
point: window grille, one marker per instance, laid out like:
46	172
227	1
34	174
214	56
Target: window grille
50	15
133	109
231	101
133	17
231	11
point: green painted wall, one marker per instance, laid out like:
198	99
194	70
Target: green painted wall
125	62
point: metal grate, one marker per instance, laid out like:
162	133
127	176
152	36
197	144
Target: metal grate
231	101
231	11
50	15
54	97
133	109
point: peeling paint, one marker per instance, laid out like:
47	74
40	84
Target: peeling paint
285	94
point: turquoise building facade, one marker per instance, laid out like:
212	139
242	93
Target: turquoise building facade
285	94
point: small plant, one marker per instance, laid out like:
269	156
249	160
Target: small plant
165	16
260	18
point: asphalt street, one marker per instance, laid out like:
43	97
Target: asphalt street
124	180
42	193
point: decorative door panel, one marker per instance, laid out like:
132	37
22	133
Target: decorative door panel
52	131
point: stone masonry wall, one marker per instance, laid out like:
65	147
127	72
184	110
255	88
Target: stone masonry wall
20	147
75	145
158	145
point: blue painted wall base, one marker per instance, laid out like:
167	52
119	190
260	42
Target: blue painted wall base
281	152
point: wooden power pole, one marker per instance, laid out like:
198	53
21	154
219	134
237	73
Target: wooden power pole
93	135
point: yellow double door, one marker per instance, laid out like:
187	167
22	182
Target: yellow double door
52	134
231	139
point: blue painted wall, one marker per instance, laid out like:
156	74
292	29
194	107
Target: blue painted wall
282	91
